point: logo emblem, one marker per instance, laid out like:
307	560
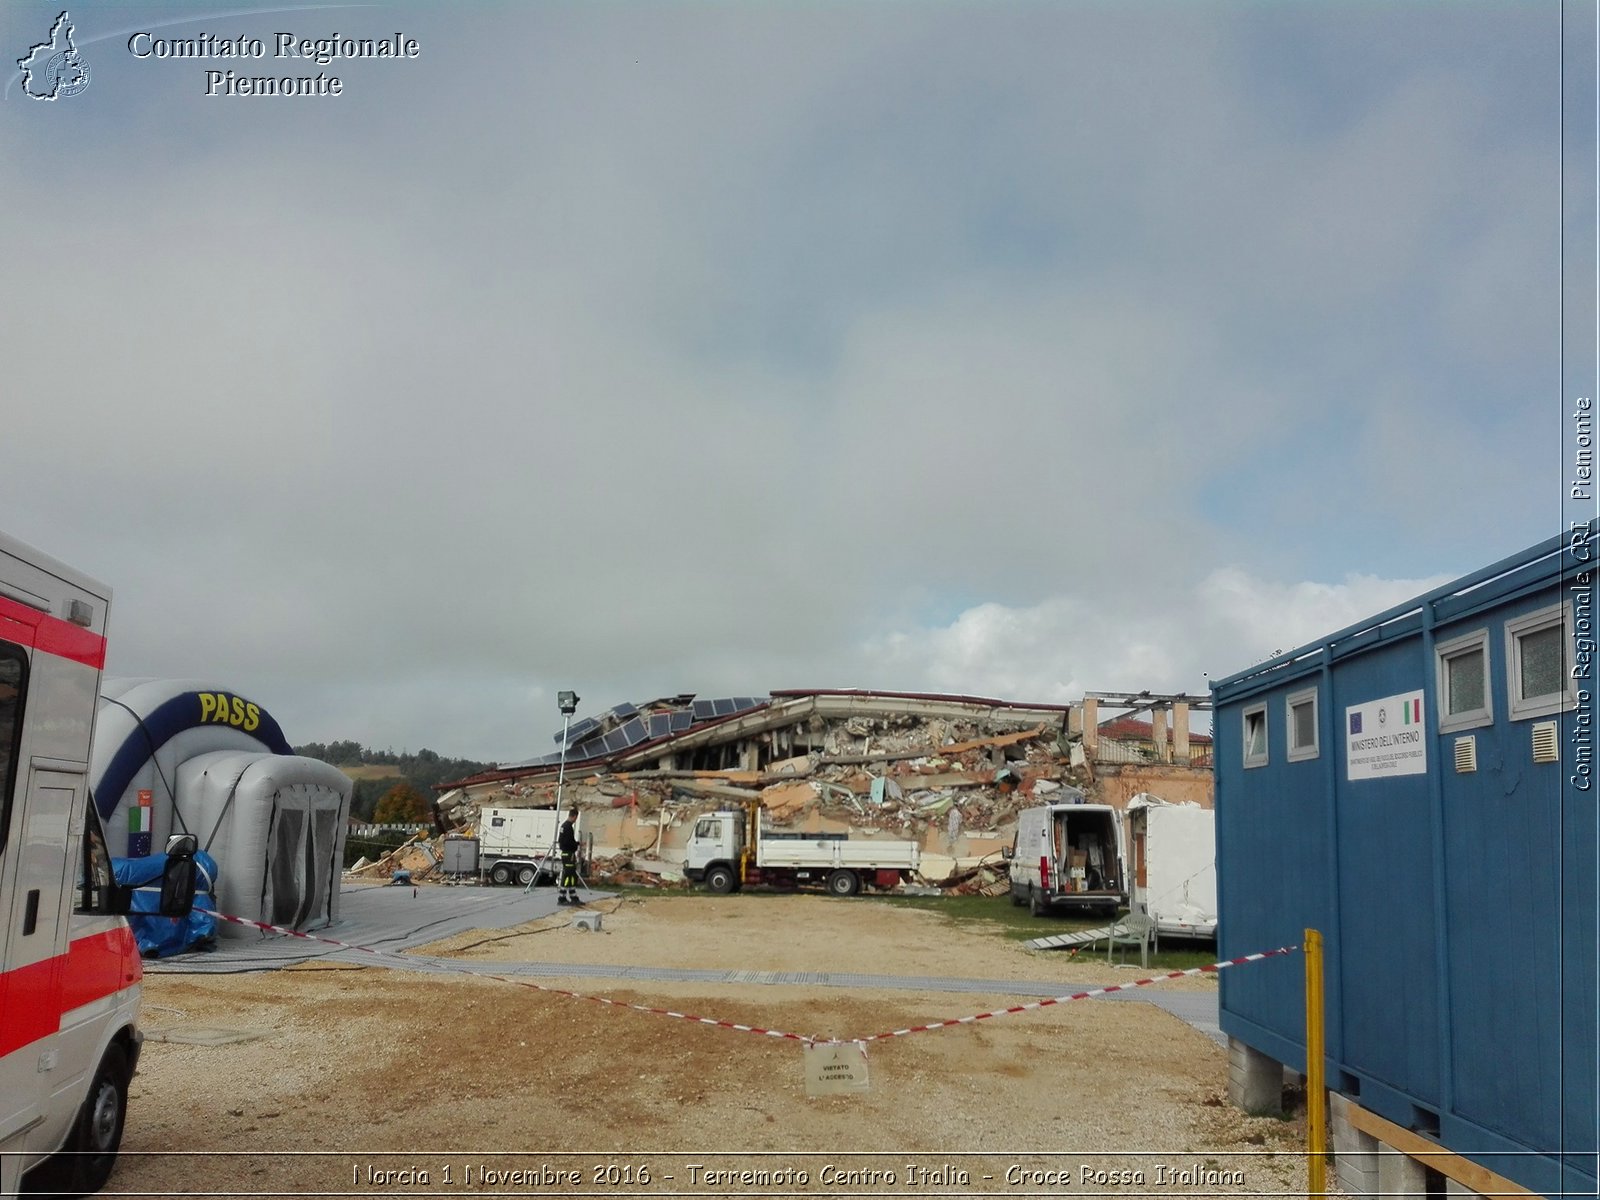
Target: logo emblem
53	69
1383	716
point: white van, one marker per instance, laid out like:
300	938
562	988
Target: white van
1068	856
69	968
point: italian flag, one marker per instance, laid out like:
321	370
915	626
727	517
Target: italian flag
139	818
1412	711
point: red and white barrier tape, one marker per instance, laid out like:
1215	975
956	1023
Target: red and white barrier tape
1209	968
399	960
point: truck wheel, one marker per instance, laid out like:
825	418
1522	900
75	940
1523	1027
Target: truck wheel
844	883
500	875
526	875
1036	904
84	1163
721	880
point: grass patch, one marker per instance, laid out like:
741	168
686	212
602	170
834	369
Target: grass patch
999	915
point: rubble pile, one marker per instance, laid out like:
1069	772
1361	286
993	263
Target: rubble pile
896	775
948	772
952	785
419	857
620	870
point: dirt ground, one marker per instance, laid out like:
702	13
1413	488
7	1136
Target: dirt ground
372	1081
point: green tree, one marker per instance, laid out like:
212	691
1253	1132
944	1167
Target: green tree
402	804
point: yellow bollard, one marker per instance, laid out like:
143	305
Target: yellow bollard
1316	1091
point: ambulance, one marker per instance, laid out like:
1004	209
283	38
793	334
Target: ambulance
69	970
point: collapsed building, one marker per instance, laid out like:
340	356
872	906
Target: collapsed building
948	771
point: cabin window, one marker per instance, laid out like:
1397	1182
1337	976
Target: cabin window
1255	736
707	828
13	687
1464	698
1539	663
94	867
1302	722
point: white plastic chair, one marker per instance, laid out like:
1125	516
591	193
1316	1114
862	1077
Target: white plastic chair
1134	929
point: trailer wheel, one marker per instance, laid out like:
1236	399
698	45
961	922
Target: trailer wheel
844	883
84	1163
721	880
501	875
526	875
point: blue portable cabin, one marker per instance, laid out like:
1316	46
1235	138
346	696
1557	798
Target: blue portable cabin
1412	787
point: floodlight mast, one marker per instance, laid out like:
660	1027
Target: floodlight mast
568	702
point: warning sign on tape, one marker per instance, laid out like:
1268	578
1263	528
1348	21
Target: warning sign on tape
835	1065
835	1068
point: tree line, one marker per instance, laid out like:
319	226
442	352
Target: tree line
404	795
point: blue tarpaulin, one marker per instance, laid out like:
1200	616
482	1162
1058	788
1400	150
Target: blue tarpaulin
159	936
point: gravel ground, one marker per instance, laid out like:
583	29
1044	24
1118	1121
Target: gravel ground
373	1081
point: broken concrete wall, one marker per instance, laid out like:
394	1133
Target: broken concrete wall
1176	784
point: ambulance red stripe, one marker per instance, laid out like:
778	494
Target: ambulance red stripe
35	997
40	631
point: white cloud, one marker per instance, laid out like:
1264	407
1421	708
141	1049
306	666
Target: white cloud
1056	650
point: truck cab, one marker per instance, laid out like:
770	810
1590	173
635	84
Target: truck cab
712	855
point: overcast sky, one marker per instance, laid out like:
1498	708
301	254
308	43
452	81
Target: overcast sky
1013	348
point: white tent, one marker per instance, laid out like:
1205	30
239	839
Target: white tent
276	826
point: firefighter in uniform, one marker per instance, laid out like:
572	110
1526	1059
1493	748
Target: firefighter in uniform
567	843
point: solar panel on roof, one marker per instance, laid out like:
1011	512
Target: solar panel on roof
724	707
704	710
615	741
580	730
660	725
625	710
681	721
633	732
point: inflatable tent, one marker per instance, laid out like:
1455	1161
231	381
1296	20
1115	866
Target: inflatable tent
186	757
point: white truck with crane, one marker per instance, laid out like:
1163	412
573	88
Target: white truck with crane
69	968
730	849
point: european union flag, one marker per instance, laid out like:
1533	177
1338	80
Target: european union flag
1355	722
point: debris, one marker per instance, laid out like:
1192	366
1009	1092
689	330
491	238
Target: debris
949	772
786	800
791	766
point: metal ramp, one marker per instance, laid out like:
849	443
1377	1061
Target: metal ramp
1064	941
